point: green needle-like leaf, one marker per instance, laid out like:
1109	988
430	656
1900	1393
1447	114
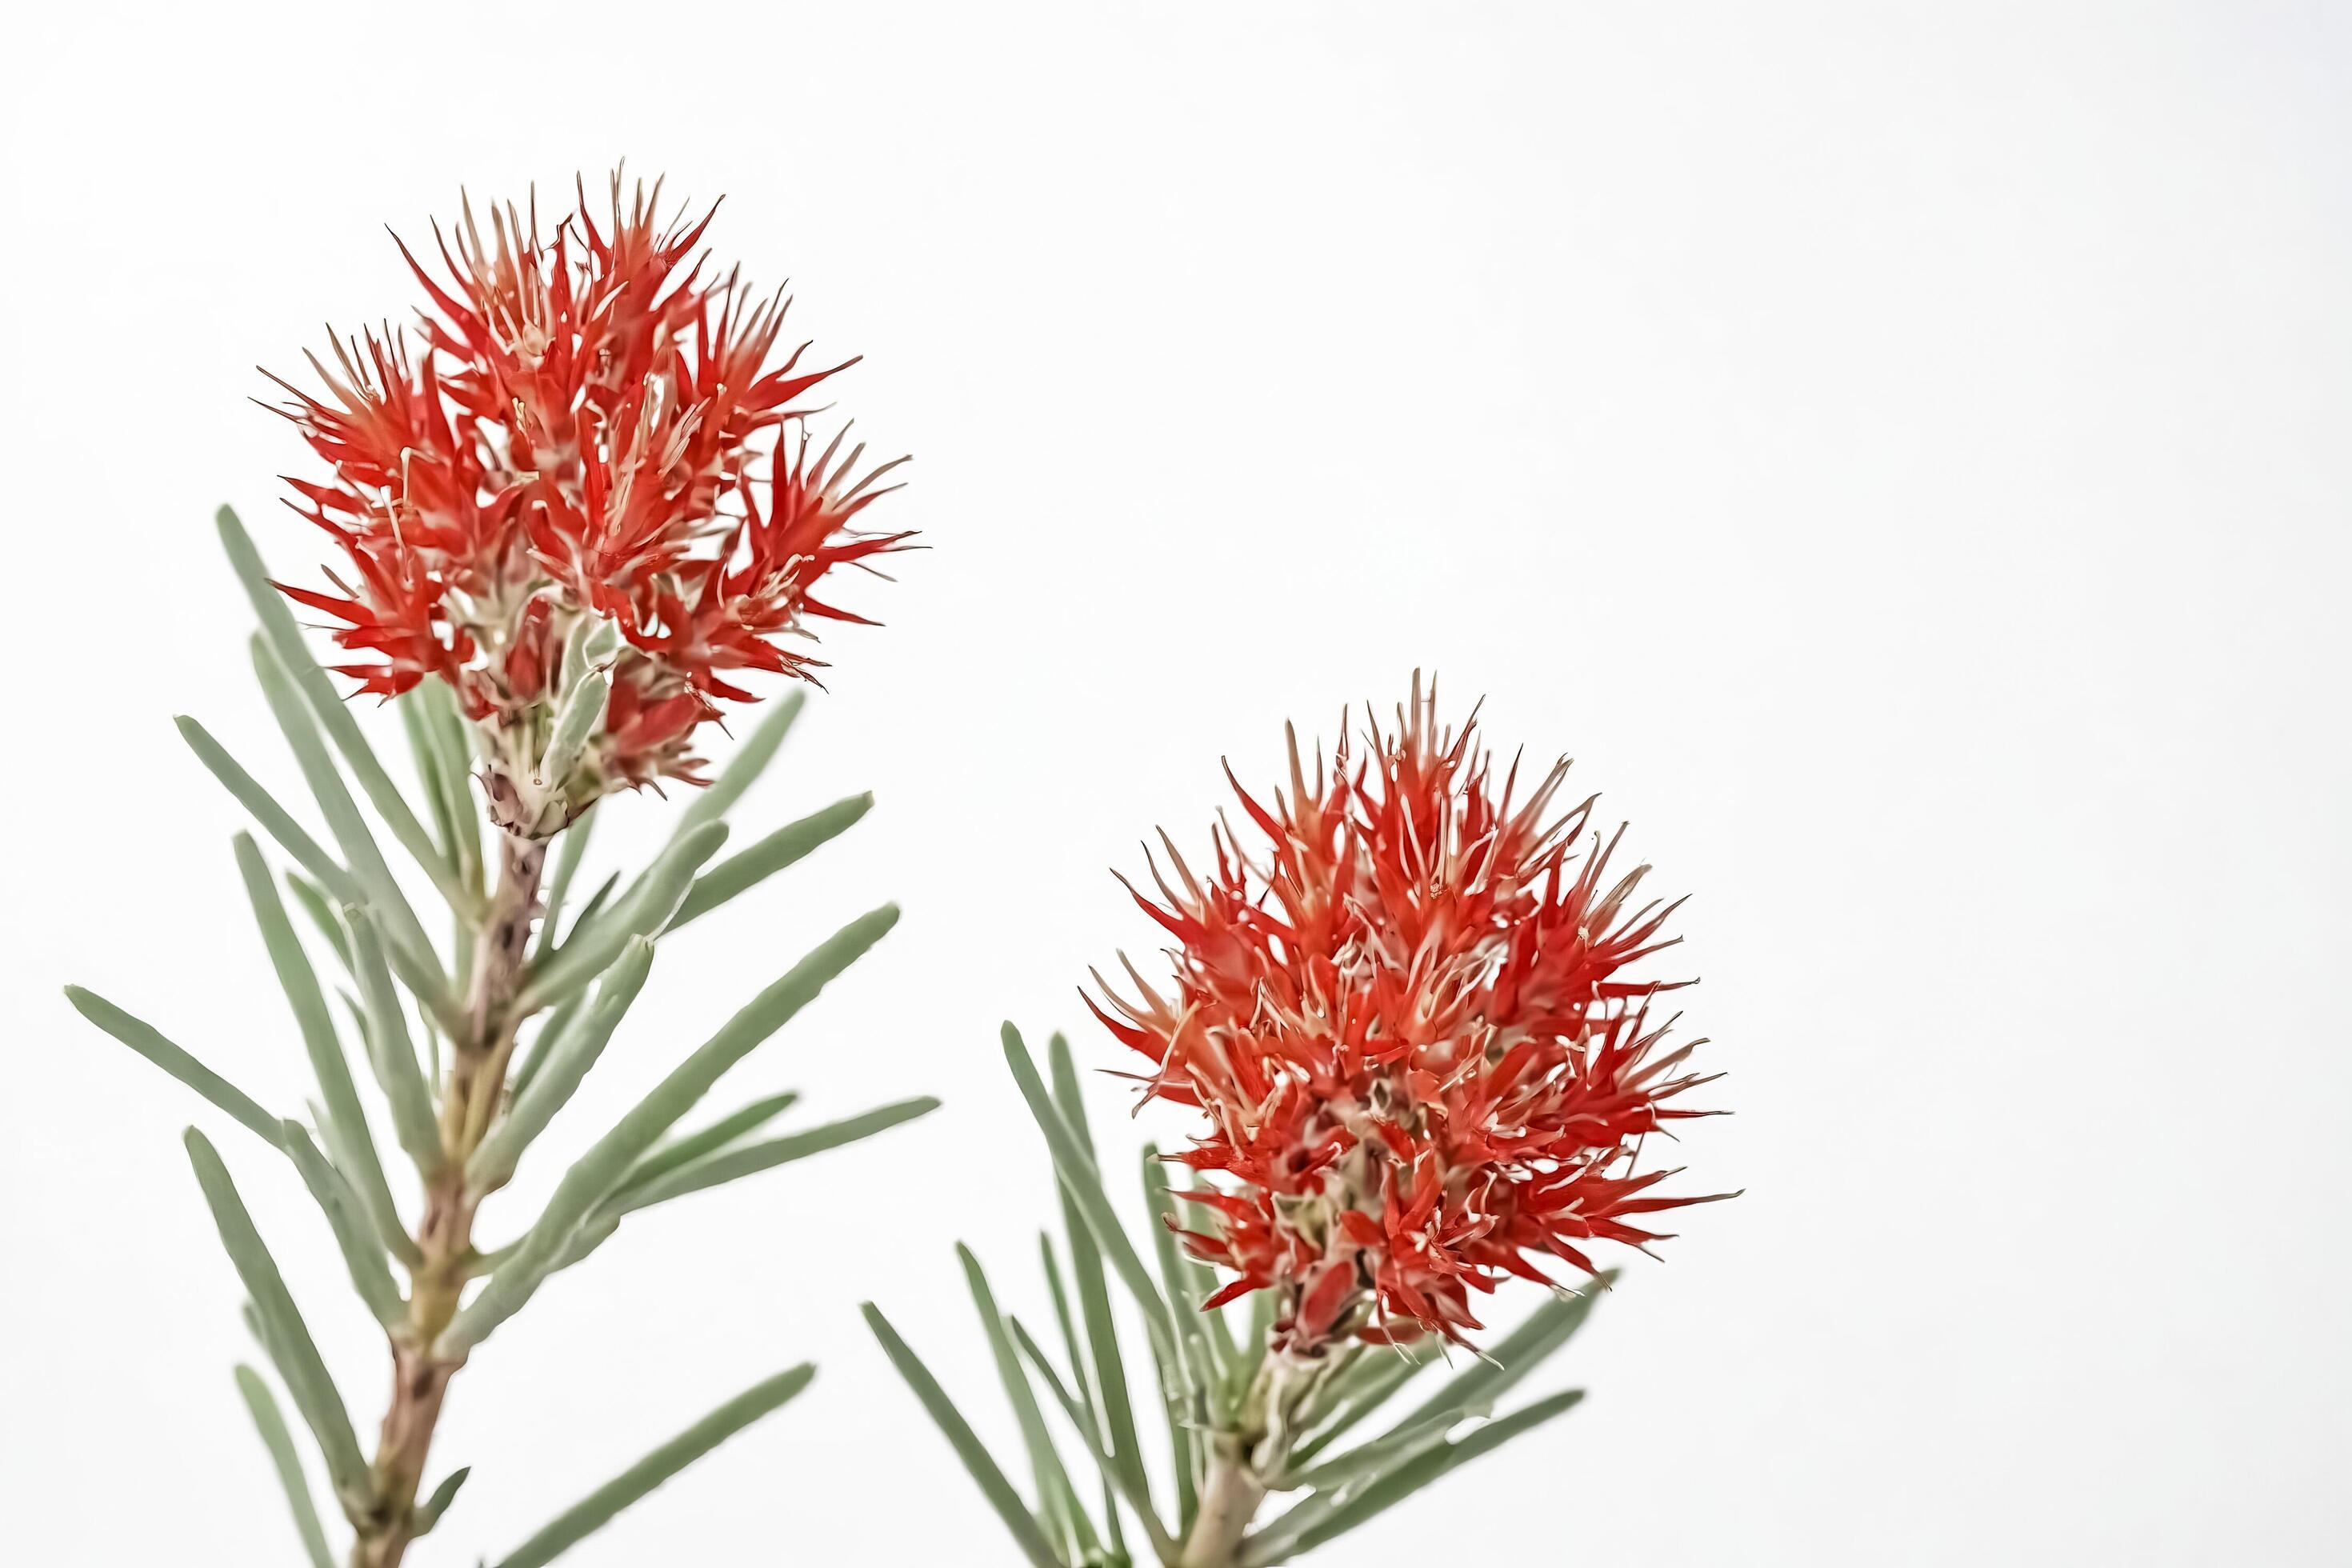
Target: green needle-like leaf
329	924
1326	1516
552	1030
144	1038
733	1164
1365	1384
1056	1502
274	818
581	710
346	1124
275	1437
567	1064
570	847
786	844
745	768
428	1512
1084	1183
368	866
1070	1343
1162	1544
667	1157
968	1447
449	737
363	1251
286	641
391	1052
642	912
1094	1298
1202	1370
1487	1379
596	1510
606	1163
284	1335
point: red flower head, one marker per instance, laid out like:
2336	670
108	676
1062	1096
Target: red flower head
590	435
1408	1018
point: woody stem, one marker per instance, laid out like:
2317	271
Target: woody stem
477	1086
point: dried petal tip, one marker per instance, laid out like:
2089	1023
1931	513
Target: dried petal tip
1409	1017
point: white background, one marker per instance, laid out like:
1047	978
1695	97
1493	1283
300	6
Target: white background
1899	450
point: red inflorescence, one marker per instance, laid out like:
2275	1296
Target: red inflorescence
1409	1022
583	431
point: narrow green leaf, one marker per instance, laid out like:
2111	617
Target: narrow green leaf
263	807
144	1038
750	760
587	918
568	1061
1487	1379
1202	1370
272	1424
363	1254
391	1054
733	1164
786	844
1094	1298
286	641
1327	1516
1070	1346
606	1163
551	1032
346	1125
1368	1383
1084	1183
443	771
582	709
429	1513
329	924
968	1447
451	737
1091	1438
668	1157
1056	1500
570	847
596	1510
284	1332
368	867
642	912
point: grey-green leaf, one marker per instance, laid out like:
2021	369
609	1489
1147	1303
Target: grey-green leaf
285	640
1326	1516
642	912
429	1513
1079	1178
667	1157
274	818
733	1164
567	1062
362	1250
392	1053
368	870
272	1424
786	844
606	1163
596	1510
1000	1492
346	1127
750	760
148	1042
285	1334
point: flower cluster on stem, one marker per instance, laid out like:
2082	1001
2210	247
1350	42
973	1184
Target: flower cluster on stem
1408	1010
587	499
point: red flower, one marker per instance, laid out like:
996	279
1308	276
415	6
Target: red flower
587	431
1409	1019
